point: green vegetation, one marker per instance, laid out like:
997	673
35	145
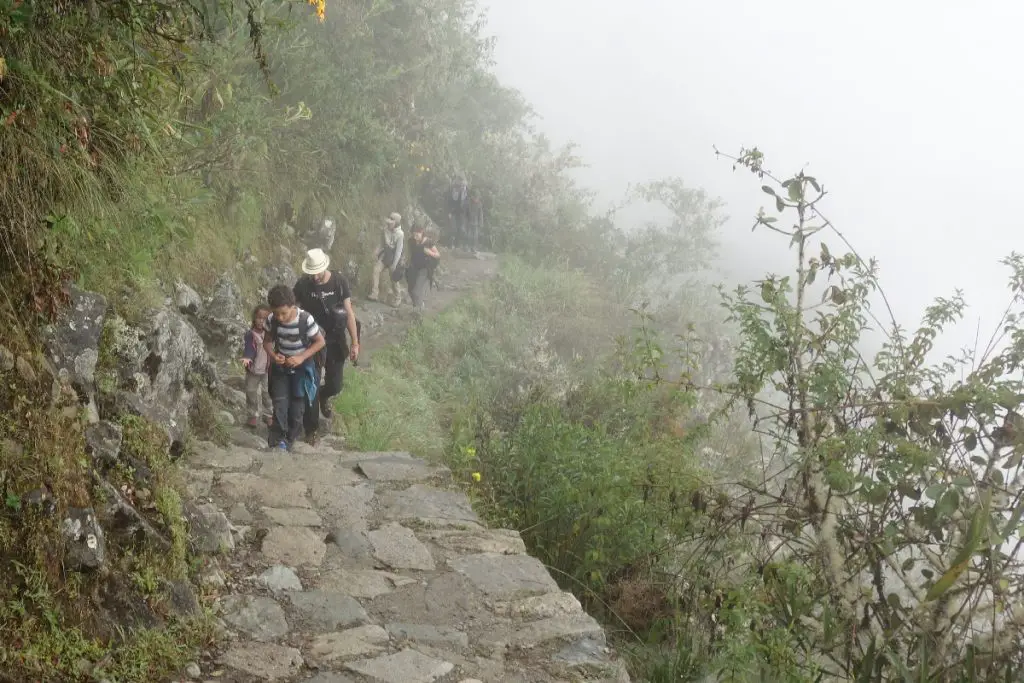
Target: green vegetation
777	509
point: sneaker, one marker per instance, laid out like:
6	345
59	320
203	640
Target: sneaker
373	298
253	422
312	439
326	409
283	446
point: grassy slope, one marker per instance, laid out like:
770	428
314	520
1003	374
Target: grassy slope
556	447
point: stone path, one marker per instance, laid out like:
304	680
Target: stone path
345	567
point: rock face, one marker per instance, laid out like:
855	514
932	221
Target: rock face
187	300
400	582
72	343
84	544
158	368
222	322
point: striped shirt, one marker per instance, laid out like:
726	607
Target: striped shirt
286	335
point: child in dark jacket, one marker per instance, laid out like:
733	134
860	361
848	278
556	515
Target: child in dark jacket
256	363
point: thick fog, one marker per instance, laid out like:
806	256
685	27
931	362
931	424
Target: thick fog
909	113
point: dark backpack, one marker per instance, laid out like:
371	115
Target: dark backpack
432	265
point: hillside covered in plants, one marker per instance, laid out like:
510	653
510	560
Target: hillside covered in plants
722	476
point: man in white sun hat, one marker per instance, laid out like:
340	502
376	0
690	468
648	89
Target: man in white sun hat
389	258
325	294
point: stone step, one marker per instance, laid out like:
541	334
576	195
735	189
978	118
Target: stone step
357	567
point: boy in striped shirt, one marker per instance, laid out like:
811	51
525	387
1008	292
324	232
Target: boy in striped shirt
292	341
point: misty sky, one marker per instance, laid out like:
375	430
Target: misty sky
909	112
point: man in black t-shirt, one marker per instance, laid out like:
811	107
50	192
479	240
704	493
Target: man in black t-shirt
325	294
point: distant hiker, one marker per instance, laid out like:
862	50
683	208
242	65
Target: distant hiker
423	259
292	340
475	219
389	258
325	294
256	363
458	209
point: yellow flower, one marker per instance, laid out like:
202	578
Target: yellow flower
321	8
470	451
476	476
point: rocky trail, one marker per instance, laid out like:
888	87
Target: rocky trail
333	566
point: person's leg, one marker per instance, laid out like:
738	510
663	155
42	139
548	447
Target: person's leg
333	368
414	292
267	412
252	398
280	393
419	294
378	269
296	409
396	289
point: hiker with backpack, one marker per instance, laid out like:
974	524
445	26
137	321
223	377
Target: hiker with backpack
475	219
325	294
389	258
458	210
423	259
292	341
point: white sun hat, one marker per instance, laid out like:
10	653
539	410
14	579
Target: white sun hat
316	262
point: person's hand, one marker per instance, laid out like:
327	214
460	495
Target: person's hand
292	362
353	353
247	363
279	358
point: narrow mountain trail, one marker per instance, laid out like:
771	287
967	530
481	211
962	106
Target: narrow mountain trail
333	566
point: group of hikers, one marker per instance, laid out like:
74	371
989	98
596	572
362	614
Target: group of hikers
295	350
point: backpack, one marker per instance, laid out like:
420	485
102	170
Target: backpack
304	317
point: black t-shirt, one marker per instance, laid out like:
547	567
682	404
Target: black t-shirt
321	300
418	258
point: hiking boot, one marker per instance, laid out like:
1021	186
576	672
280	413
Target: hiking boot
326	409
312	439
253	422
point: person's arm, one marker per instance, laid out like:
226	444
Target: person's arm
432	251
399	244
268	346
318	343
353	330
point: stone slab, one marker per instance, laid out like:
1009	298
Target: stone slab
259	617
293	516
309	468
407	666
328	611
343	506
263	661
366	584
398	548
280	578
502	541
354	642
428	505
294	546
506	575
429	634
387	467
210	455
240	486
